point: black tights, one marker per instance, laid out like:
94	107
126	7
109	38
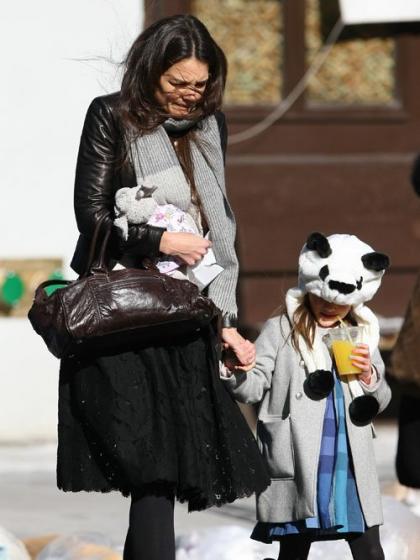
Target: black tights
151	533
364	546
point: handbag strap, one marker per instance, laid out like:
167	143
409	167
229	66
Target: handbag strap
100	264
102	260
41	294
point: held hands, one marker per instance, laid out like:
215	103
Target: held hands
242	352
189	247
360	358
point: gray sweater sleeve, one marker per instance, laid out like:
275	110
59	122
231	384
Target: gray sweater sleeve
250	387
380	390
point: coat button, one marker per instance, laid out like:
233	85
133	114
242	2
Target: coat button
298	395
302	363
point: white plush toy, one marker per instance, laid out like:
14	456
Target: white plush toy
137	206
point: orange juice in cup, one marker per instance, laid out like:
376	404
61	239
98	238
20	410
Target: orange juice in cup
342	350
342	342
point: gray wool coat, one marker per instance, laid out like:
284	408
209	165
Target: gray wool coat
290	427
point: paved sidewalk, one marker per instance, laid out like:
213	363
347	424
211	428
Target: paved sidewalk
30	503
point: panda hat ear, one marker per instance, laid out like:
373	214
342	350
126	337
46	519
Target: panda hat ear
375	261
319	243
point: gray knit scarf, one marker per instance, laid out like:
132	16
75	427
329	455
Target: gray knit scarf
155	159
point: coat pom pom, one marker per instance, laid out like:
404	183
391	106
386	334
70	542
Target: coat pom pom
320	382
363	410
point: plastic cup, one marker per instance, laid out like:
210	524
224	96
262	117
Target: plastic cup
342	342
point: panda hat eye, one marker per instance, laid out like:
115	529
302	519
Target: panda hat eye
375	261
324	272
319	243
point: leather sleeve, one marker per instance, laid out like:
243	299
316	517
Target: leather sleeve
96	176
229	321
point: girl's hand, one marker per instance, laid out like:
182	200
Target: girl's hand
189	247
360	358
244	350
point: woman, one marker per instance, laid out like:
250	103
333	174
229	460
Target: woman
155	422
405	369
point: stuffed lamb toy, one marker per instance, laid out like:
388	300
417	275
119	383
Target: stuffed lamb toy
137	206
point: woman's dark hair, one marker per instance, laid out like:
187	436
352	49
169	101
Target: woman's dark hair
158	47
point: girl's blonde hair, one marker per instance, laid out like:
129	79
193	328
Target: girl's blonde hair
304	323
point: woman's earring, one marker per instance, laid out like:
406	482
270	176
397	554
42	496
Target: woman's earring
320	383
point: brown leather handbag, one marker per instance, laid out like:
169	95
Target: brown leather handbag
108	311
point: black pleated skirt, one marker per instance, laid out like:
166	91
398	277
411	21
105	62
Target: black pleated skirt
156	417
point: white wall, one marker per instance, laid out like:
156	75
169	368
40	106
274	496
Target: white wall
56	56
379	11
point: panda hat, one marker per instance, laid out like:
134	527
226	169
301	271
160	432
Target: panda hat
343	270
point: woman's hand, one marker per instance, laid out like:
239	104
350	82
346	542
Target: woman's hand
189	247
360	358
243	349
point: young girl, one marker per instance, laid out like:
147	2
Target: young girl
313	426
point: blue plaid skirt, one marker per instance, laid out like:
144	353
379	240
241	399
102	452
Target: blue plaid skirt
338	505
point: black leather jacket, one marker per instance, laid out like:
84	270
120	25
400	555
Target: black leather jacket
101	170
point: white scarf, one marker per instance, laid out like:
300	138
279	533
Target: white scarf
314	358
